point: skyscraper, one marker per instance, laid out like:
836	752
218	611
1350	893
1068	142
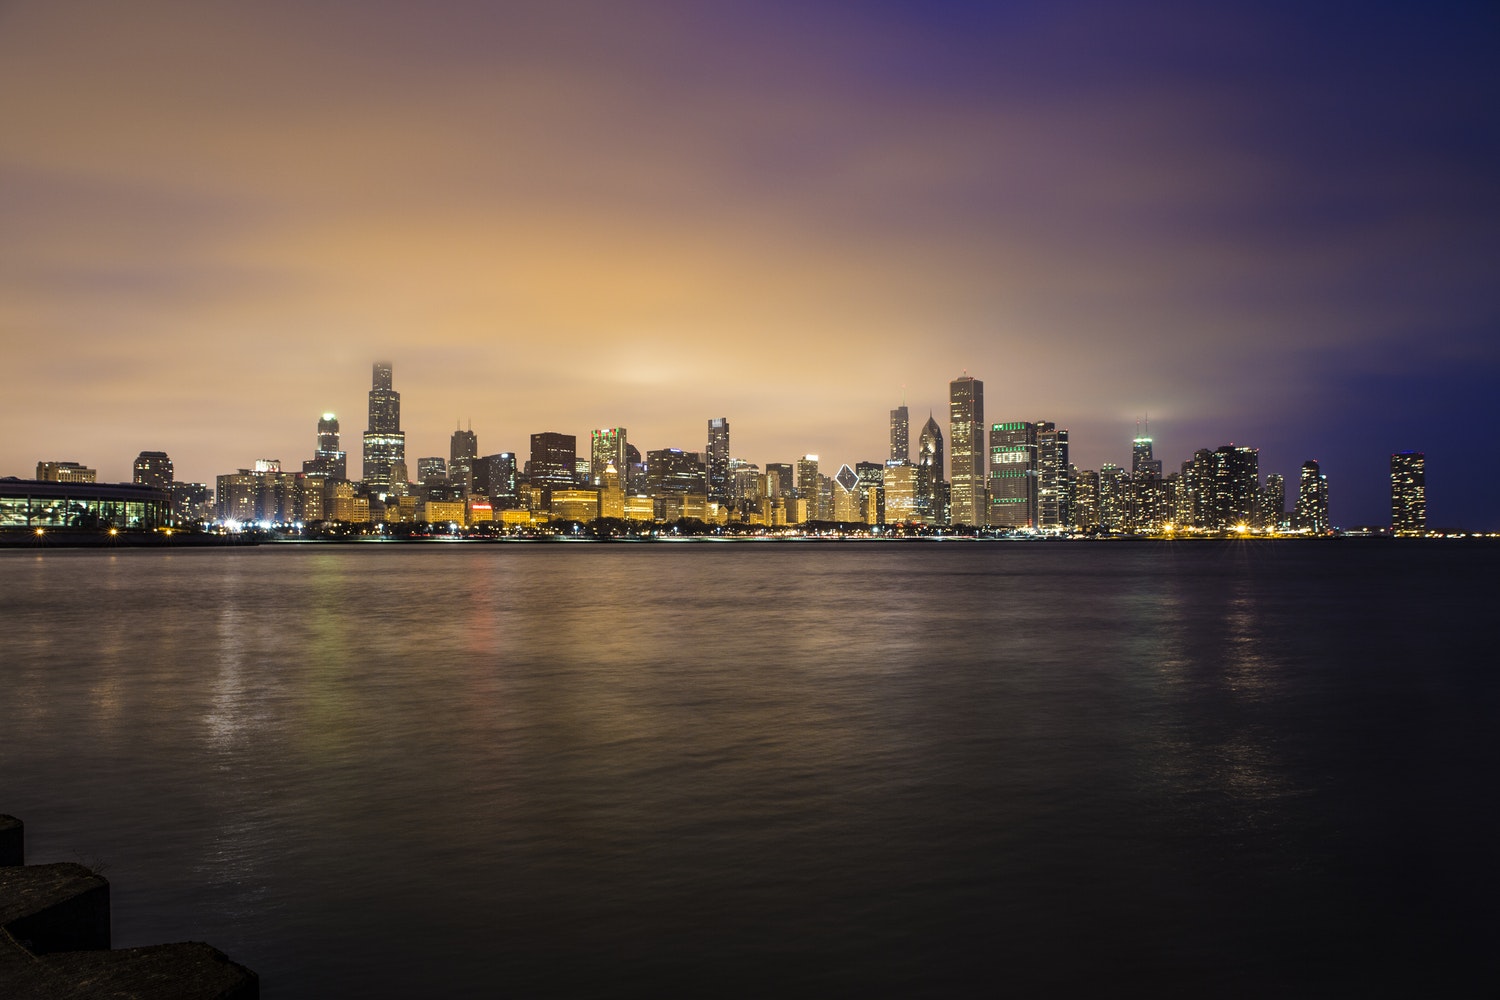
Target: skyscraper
385	444
672	470
1012	481
1142	464
1409	492
1054	494
966	441
900	487
495	477
608	446
1111	497
327	459
872	490
716	459
930	480
1146	505
553	462
1235	487
846	505
900	439
807	485
1312	499
154	469
785	481
463	450
1273	503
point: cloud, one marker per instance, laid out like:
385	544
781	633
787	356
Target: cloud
583	214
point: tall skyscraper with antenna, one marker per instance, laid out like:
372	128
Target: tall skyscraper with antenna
1142	464
385	444
463	452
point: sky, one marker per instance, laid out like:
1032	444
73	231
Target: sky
1259	224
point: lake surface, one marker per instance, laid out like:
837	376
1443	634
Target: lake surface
849	768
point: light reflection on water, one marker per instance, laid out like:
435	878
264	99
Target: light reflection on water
898	769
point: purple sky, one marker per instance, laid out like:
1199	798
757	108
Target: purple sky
1260	225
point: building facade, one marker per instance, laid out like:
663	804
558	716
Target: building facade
328	460
966	443
900	434
463	452
1408	493
553	464
1012	480
1312	499
608	446
716	460
384	444
65	472
153	469
931	484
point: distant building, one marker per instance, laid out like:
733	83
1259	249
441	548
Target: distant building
1054	493
1273	503
640	508
385	444
1236	487
553	462
1086	500
432	469
900	487
716	460
846	496
807	486
443	512
1312	499
931	508
966	442
1113	497
495	477
191	502
575	505
1013	469
463	450
1409	493
153	469
745	484
611	493
328	459
350	507
266	494
673	471
1147	506
62	504
1142	463
900	435
609	446
872	490
786	482
65	472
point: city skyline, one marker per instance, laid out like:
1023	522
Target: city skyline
992	452
1272	228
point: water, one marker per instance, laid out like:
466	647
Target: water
753	769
